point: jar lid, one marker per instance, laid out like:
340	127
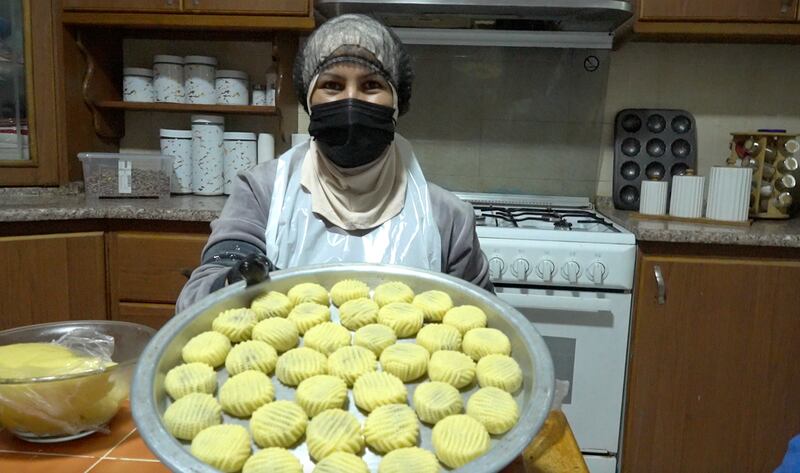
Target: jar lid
208	119
231	74
166	58
235	135
207	60
137	71
167	133
259	87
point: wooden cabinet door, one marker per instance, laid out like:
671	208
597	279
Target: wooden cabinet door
122	5
48	278
730	10
248	7
714	382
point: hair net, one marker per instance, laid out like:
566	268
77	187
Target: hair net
358	39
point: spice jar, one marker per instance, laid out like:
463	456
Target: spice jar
137	84
259	95
232	87
178	144
207	154
168	78
239	155
199	79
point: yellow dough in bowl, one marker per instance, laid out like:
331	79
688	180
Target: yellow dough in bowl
404	318
394	291
271	304
308	292
434	304
225	447
459	439
348	289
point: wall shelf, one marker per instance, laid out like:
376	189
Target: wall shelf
186	108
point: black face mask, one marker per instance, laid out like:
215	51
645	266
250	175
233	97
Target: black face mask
352	132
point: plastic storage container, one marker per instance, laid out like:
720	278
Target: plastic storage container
232	87
168	78
137	85
122	175
199	79
178	144
207	153
240	154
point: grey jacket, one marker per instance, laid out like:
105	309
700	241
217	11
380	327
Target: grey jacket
240	228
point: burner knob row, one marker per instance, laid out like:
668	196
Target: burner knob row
545	270
571	271
521	268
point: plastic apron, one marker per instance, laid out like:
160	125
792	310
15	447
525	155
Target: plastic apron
295	236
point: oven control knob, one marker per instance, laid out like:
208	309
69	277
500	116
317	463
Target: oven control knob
496	267
596	272
521	268
546	269
571	271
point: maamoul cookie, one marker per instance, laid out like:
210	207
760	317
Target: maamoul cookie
372	390
273	460
190	378
209	347
500	371
435	337
348	363
236	324
279	333
435	400
251	355
341	462
494	408
451	367
480	342
308	314
192	413
225	447
391	427
459	439
271	304
375	337
327	337
465	318
308	292
409	460
333	430
404	318
321	392
434	304
347	290
407	361
389	292
242	394
357	313
298	364
278	424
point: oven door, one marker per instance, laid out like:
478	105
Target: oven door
587	334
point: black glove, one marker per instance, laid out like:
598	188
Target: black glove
254	268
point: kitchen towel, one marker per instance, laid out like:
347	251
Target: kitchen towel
729	193
687	196
654	198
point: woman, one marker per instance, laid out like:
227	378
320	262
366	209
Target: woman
355	192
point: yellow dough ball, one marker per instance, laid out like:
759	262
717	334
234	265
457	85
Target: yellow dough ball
273	460
271	304
236	324
308	292
375	337
321	392
341	462
298	364
327	337
459	439
348	363
404	318
308	314
435	400
480	342
435	337
372	390
225	447
190	378
244	393
357	313
347	290
210	348
391	427
407	361
409	460
451	367
494	408
500	371
333	430
390	292
465	318
434	304
190	414
280	334
278	424
251	355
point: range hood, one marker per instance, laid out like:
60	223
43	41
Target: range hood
522	23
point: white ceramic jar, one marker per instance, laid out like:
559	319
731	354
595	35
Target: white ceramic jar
178	144
207	154
168	78
137	84
240	152
232	87
199	79
259	95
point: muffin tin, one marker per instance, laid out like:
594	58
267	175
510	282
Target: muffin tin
650	144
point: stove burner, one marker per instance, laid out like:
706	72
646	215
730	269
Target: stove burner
562	225
561	219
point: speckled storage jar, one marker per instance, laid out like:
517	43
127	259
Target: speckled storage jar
137	84
239	155
178	144
168	78
199	79
207	154
232	87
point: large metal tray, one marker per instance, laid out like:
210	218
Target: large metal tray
149	399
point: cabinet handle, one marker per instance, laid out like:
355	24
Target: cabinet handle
785	5
662	286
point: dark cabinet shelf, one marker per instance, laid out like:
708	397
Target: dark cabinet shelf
186	108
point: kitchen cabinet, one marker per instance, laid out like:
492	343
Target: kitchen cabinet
122	5
713	382
719	10
248	7
54	277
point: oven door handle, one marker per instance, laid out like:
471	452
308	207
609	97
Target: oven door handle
543	302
